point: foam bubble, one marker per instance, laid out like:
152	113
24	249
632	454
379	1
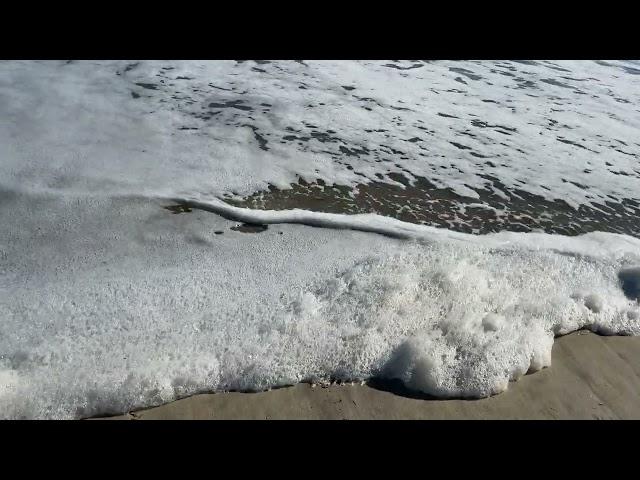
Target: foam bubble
594	303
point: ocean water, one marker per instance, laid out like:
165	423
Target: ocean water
175	227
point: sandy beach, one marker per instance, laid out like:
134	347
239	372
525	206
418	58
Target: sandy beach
592	377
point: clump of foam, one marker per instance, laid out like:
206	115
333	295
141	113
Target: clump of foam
594	303
473	319
492	322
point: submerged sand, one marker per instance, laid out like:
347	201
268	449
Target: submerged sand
592	377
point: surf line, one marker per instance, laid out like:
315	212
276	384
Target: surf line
365	222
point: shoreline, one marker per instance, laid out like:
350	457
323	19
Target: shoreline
168	236
591	377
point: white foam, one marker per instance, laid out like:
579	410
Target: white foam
76	126
158	306
109	303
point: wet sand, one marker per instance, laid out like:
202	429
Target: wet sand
423	202
591	377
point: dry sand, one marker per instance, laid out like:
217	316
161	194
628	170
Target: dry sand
592	377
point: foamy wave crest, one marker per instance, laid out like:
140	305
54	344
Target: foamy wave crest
103	320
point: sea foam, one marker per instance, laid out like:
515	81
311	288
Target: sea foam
109	302
121	306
